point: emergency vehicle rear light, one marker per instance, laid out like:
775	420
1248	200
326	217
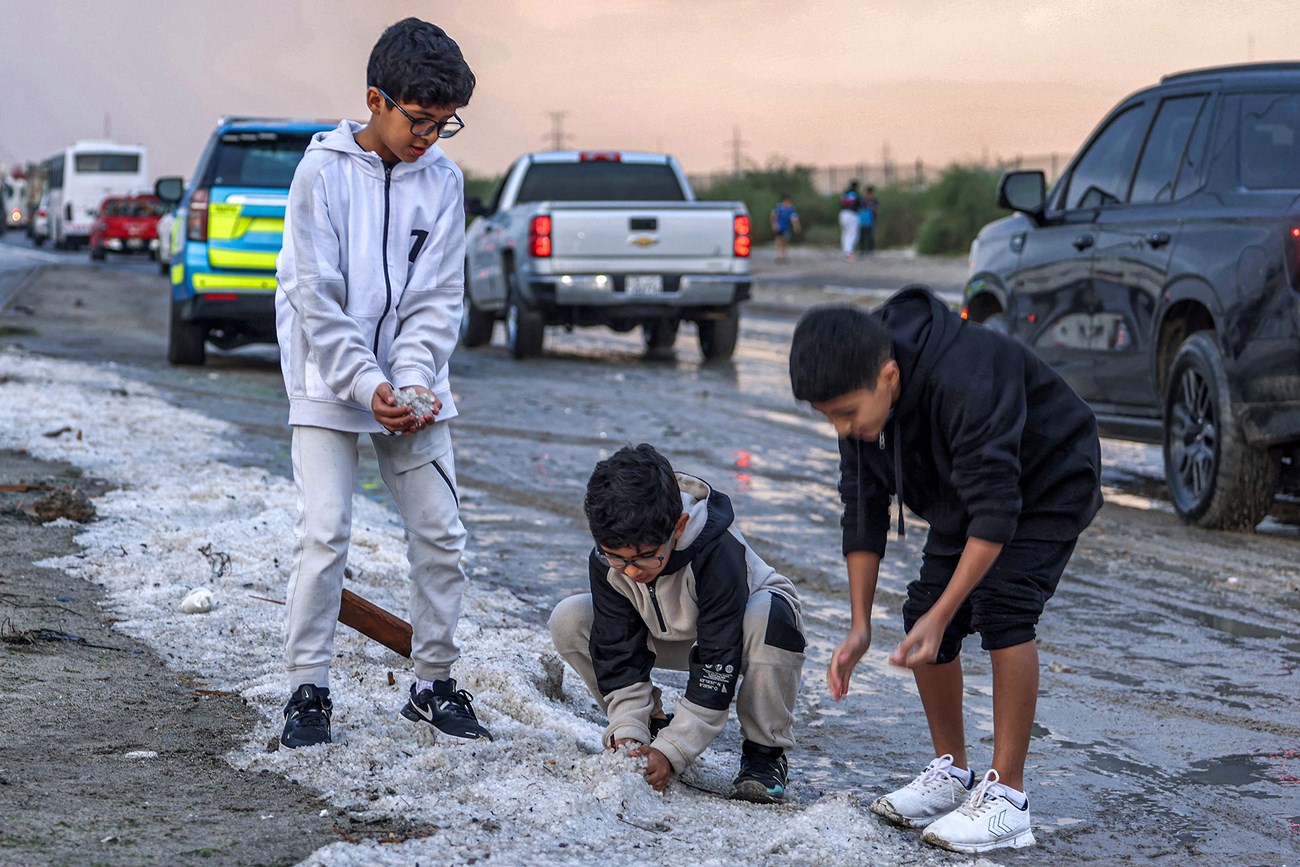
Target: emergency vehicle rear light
220	296
539	237
196	223
741	242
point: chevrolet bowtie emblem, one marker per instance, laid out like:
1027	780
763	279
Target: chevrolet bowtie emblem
643	240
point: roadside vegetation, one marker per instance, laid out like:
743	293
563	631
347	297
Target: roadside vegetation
938	218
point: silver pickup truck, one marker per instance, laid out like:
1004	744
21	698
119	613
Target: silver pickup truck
611	238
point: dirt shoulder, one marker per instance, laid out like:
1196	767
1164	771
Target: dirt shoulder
107	755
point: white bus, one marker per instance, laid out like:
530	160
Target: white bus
82	176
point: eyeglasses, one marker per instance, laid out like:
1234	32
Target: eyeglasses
645	564
422	127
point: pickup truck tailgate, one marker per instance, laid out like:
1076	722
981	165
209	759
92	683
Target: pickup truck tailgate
683	230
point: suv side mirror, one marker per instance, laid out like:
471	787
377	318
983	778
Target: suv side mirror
1025	192
474	207
170	190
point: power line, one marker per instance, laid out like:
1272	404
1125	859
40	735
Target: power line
557	135
737	151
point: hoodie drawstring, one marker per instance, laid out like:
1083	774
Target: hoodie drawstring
862	521
898	477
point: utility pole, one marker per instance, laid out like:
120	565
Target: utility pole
737	151
558	135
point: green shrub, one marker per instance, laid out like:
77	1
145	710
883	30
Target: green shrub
963	200
761	191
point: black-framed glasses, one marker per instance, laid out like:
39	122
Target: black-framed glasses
645	564
422	127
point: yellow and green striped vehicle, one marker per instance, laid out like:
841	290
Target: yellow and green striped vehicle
228	230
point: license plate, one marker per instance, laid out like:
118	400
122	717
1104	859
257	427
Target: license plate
134	242
645	284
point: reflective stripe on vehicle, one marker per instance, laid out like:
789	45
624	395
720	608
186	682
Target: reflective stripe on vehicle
212	282
243	222
220	257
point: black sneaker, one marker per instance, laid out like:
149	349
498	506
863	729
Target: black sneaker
657	725
447	709
307	717
763	774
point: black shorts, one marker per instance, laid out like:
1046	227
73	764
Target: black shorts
1004	607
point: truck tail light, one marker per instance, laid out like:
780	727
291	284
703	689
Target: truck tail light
196	221
600	157
740	243
539	237
1295	257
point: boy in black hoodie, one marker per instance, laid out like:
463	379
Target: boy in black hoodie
980	438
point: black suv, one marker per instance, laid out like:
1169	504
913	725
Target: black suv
1160	277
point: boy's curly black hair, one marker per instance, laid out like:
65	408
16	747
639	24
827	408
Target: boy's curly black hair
633	499
415	61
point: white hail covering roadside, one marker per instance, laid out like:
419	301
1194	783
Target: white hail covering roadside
540	794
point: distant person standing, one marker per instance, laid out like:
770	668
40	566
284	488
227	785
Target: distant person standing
785	222
850	203
867	210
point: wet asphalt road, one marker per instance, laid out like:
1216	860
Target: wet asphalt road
1168	729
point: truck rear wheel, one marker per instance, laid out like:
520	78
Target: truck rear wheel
525	327
475	325
718	336
660	335
185	340
1216	479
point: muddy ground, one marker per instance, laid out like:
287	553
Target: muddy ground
1167	727
109	756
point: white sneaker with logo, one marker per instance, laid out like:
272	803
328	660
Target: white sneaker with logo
935	793
987	820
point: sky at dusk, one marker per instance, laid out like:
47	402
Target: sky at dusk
818	82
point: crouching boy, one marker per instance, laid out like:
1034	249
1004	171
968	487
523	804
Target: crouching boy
675	586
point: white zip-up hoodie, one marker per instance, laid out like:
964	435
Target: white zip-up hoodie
370	280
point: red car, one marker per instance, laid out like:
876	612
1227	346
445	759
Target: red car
126	224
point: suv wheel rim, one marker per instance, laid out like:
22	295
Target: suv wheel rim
1194	434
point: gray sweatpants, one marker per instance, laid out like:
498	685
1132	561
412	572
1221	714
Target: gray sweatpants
770	674
420	473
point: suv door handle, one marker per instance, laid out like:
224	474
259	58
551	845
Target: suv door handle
1083	242
1156	240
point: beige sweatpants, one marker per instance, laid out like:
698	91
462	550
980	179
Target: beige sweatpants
770	675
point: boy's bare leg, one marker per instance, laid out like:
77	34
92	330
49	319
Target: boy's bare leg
941	695
1015	699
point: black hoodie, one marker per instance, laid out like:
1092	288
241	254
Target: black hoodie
989	440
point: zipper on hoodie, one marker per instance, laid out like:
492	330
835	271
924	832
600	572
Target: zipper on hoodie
388	286
654	600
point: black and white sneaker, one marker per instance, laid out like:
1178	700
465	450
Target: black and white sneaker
307	717
447	709
763	774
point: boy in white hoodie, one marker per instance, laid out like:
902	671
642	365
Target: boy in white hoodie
368	307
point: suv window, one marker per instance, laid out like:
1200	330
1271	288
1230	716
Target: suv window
1164	150
1270	140
257	159
600	181
1101	176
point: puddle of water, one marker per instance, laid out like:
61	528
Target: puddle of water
1234	770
